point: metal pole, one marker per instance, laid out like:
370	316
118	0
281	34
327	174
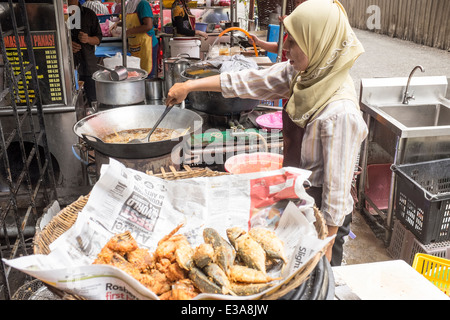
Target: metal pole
251	13
232	19
124	35
281	35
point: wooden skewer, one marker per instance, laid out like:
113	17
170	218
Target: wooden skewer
185	131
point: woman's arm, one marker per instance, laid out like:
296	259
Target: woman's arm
265	84
179	91
266	45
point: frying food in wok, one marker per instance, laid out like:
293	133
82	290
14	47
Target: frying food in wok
124	136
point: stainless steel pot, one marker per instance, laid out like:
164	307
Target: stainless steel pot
214	102
173	67
94	127
120	93
153	89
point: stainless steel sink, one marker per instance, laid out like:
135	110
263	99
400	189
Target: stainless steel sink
409	122
427	116
432	115
414	120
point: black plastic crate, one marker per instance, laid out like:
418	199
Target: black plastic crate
404	245
422	200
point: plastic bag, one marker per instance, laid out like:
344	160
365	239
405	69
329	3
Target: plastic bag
106	32
132	62
237	63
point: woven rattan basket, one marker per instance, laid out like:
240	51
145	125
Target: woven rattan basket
67	217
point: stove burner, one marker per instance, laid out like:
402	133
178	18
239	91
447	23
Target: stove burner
238	120
148	164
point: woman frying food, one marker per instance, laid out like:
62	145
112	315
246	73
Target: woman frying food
322	126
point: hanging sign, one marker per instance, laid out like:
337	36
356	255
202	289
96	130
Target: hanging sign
47	66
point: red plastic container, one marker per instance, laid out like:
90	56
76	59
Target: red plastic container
378	184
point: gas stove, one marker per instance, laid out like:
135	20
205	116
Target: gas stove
223	136
219	138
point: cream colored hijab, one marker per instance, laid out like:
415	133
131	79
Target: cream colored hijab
322	31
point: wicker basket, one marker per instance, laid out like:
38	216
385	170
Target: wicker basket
67	217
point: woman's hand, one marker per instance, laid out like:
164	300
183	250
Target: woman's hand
177	93
180	90
254	40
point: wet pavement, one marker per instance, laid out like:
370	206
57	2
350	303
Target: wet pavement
386	57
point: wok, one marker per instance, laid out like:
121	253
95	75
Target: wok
94	127
214	102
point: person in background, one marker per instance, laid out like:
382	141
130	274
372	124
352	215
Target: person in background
97	6
272	46
183	21
322	125
84	41
117	7
142	41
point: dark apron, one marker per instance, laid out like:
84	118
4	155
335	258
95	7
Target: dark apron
292	150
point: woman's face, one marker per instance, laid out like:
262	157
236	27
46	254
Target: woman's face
296	56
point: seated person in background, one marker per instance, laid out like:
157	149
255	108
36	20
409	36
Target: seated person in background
183	21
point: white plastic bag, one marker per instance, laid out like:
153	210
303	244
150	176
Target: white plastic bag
132	62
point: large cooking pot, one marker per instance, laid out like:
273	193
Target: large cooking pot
173	67
120	93
96	126
213	102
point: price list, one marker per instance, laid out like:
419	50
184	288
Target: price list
47	66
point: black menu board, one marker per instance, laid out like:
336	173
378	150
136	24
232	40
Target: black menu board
47	66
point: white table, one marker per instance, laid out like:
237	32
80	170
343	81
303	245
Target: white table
387	280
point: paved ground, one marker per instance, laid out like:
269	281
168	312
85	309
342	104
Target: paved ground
391	57
387	57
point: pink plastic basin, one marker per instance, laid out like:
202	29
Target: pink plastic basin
270	121
254	162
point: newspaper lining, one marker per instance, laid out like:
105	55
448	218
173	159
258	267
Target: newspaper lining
149	207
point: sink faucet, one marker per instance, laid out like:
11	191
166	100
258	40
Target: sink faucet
408	96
